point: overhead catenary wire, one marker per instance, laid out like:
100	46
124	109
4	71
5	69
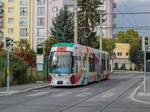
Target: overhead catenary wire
124	2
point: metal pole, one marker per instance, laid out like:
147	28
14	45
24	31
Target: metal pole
76	22
145	86
100	42
100	37
8	78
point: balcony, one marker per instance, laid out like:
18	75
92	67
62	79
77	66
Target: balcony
69	2
1	4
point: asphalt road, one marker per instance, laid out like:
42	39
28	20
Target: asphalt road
106	96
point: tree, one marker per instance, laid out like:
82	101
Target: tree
22	49
108	45
121	37
18	69
88	19
130	36
1	46
63	26
136	54
48	44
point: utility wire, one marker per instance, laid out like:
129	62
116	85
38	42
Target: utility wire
124	2
127	13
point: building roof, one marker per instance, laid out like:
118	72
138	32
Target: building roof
122	47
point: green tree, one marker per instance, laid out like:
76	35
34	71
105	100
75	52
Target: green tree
63	26
108	45
130	36
88	19
48	44
136	54
121	37
18	70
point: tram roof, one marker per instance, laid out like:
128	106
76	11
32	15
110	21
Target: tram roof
75	45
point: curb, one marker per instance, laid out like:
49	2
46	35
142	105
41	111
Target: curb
23	91
132	96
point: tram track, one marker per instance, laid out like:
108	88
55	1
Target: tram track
100	92
118	98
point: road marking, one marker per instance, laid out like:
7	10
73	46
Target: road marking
85	89
143	94
62	94
107	95
38	94
84	94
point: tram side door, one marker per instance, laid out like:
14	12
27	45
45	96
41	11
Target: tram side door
86	68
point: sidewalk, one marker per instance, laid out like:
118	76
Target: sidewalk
22	88
139	96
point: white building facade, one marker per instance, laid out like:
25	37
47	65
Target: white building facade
44	12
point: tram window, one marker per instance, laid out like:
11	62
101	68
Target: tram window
91	64
75	65
103	64
108	65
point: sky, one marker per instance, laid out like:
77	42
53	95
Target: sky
131	6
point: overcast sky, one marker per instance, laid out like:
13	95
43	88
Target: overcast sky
133	20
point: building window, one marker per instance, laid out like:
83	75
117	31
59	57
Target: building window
146	40
23	32
23	2
41	11
10	0
10	10
127	54
119	53
40	41
41	2
54	9
41	32
41	21
10	20
10	30
23	21
23	11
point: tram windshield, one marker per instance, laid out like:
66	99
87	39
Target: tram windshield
61	62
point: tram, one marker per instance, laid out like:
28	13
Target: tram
73	64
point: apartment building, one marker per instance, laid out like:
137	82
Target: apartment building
32	19
18	19
44	12
1	20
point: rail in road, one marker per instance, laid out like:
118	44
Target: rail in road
104	109
108	92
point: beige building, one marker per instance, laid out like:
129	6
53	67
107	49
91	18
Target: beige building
17	22
121	60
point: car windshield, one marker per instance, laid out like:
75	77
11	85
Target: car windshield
61	62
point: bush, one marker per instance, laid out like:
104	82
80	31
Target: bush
19	70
